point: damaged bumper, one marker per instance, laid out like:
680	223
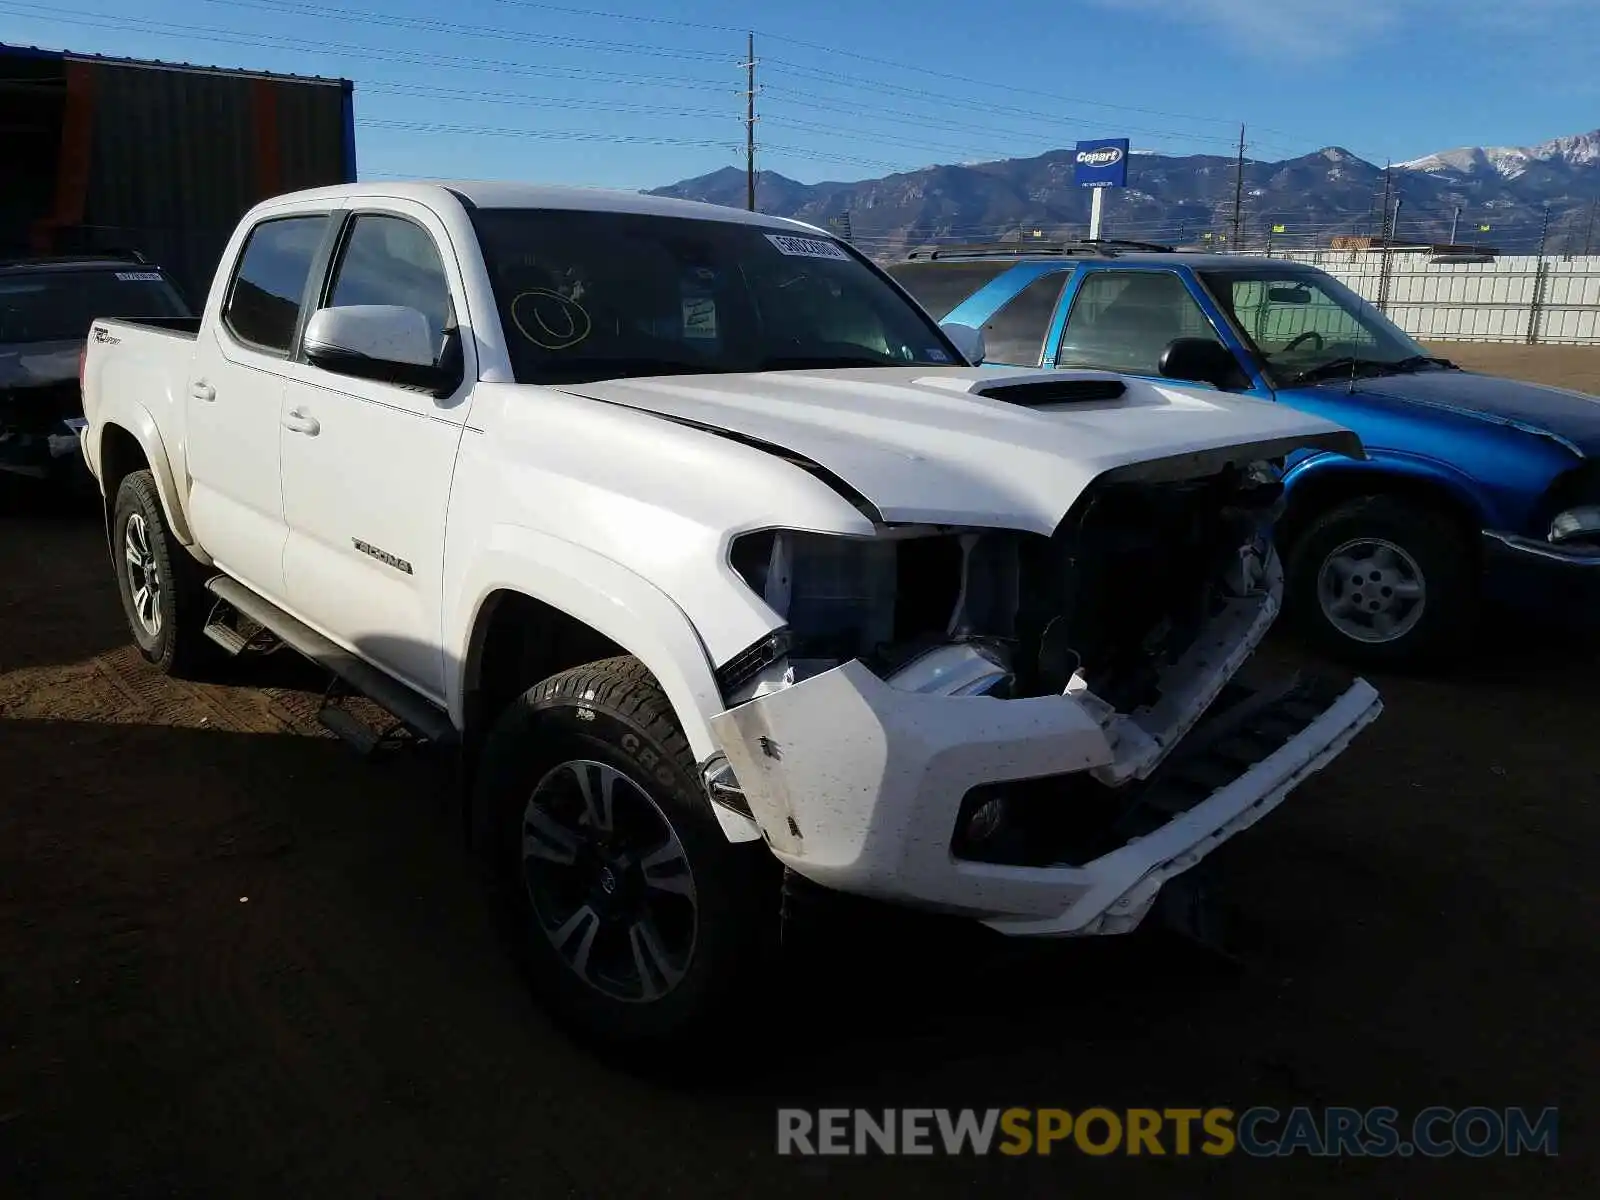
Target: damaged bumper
869	788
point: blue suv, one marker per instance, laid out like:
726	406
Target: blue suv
1475	486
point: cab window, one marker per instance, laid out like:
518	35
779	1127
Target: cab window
390	260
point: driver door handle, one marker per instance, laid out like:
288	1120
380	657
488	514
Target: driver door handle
201	390
298	420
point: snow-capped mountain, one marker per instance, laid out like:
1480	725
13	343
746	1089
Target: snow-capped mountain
1190	198
1581	150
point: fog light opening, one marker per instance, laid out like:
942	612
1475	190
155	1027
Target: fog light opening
985	821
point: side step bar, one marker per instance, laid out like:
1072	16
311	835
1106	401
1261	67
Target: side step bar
416	712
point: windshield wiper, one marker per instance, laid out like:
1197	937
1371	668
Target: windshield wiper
1424	360
823	362
1338	368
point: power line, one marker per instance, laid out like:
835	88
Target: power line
836	79
769	36
457	29
203	33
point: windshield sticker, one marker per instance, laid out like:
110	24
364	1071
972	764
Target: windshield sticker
936	354
139	276
550	320
699	317
799	247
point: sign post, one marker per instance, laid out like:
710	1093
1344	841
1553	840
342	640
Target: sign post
1100	164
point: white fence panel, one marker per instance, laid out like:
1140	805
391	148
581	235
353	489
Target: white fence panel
1475	302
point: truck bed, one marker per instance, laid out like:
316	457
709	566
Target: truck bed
187	328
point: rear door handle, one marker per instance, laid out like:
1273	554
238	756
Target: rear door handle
298	420
201	390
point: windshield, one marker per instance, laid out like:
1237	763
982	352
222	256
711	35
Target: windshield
1302	322
585	296
59	306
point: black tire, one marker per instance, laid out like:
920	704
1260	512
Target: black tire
1440	549
613	713
177	646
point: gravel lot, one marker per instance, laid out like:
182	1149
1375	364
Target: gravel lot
235	960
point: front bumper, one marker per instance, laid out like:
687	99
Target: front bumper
858	786
1530	574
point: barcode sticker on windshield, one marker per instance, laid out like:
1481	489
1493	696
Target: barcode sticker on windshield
139	276
799	247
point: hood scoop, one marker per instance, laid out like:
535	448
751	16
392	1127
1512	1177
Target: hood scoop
1035	388
1037	394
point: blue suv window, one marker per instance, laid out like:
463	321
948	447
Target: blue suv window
1014	336
1123	320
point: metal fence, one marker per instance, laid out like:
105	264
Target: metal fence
1522	298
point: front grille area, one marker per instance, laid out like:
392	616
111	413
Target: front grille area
1071	820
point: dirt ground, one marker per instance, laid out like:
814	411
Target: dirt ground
236	960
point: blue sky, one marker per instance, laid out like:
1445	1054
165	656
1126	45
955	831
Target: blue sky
626	94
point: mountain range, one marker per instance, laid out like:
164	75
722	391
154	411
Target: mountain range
1190	199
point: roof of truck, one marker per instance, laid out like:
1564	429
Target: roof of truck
490	194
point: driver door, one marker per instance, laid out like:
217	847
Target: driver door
367	465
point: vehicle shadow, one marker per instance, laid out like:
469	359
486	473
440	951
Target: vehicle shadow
254	962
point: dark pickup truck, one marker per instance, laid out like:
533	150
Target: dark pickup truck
46	308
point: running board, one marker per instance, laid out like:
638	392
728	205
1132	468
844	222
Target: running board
416	712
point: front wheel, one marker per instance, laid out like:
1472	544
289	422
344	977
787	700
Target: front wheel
639	921
1382	582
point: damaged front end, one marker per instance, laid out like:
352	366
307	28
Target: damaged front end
1033	731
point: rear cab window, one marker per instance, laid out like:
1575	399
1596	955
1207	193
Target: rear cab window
262	309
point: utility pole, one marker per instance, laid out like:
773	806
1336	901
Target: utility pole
1455	219
1387	230
1588	234
1541	271
750	122
1238	192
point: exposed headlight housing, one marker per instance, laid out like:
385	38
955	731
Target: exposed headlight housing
1264	472
1576	524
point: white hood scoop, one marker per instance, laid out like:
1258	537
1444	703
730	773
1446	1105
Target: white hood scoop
976	446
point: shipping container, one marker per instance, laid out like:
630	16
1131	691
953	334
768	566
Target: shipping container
117	154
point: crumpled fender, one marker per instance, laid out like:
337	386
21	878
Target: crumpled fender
608	597
136	419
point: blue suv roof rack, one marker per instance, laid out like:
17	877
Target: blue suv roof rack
1103	247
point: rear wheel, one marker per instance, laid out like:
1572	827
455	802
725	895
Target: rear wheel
162	595
639	921
1384	582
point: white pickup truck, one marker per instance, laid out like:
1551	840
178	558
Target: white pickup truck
709	548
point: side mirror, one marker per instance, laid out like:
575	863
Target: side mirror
967	340
389	343
1200	360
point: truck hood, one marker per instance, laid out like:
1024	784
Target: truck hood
32	364
1572	417
925	445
